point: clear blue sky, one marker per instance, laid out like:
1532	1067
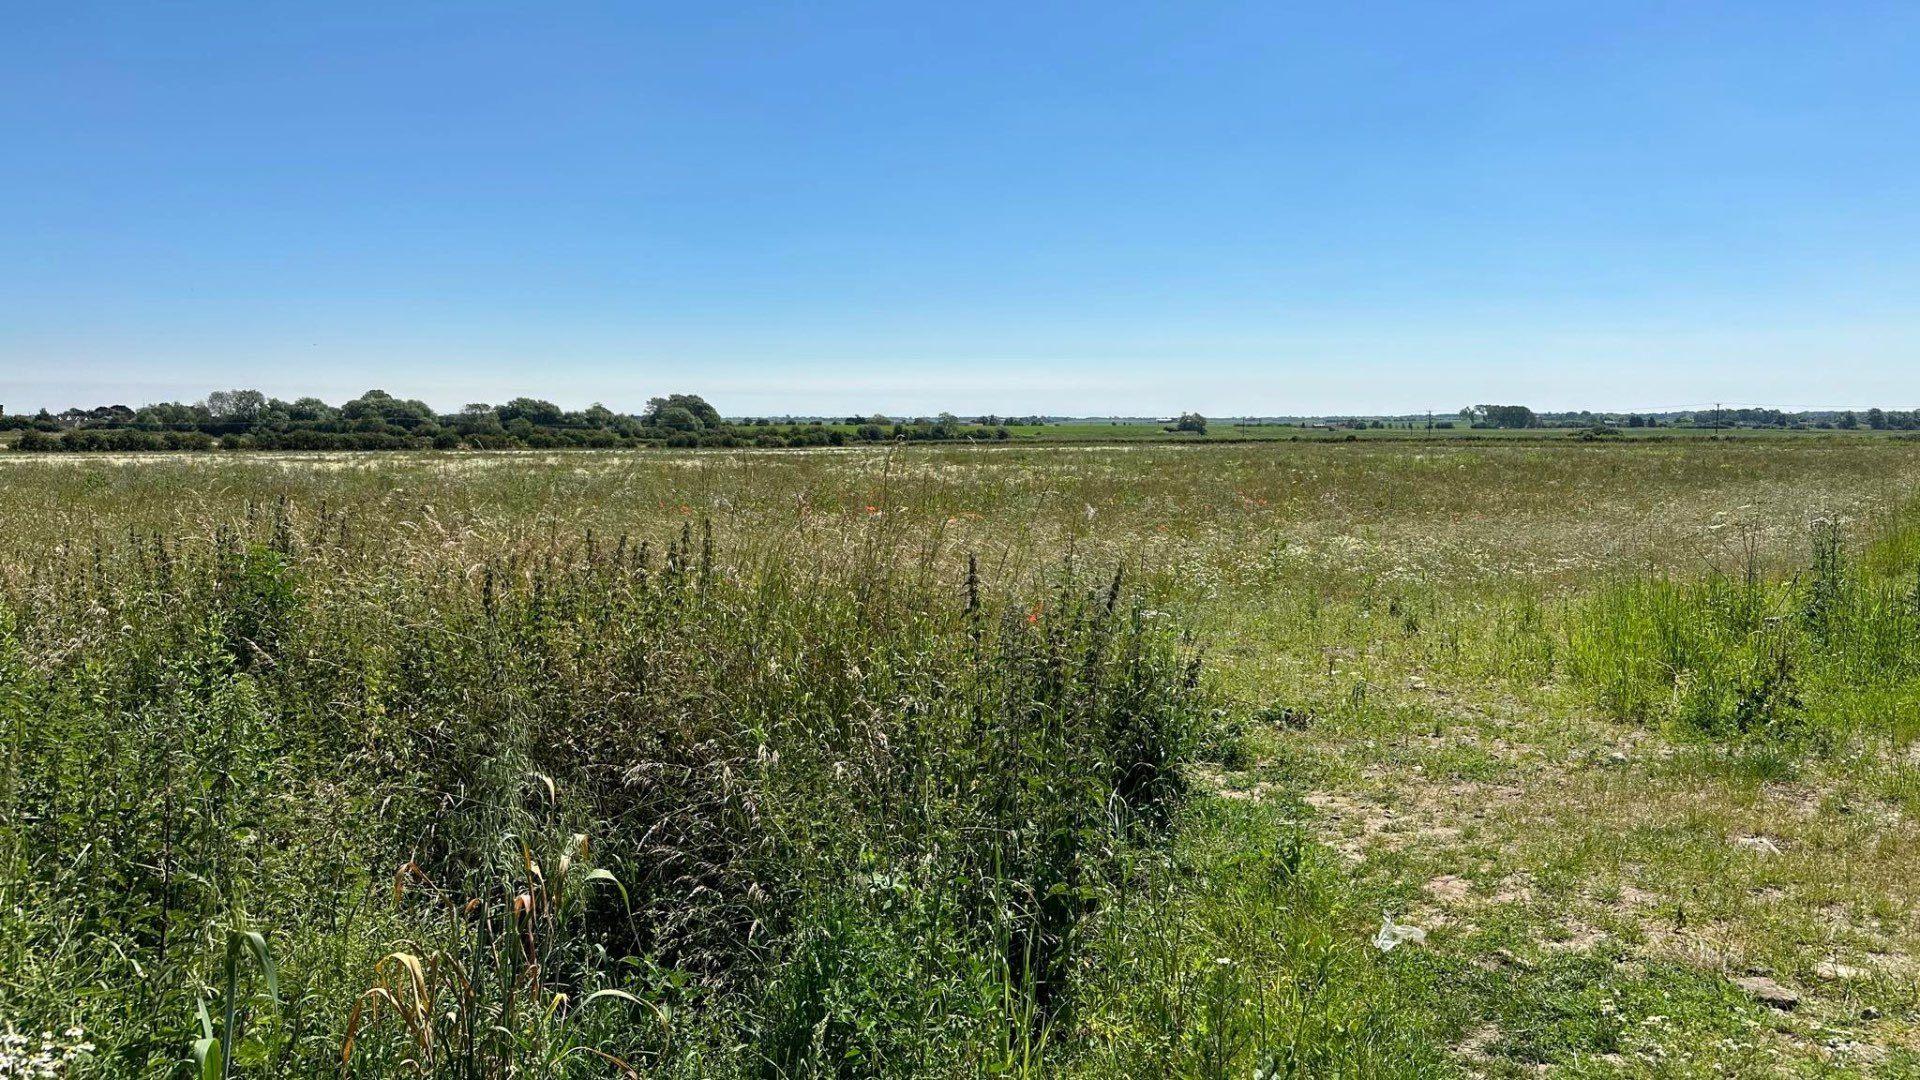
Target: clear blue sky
1081	208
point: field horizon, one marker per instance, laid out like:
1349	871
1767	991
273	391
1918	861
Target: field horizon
1449	606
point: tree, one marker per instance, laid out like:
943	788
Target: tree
172	414
703	414
311	410
478	419
675	418
1877	419
1501	416
377	406
236	404
533	411
1189	422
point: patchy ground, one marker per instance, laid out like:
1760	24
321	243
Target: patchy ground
1657	889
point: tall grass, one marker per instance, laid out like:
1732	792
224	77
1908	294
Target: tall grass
582	806
1829	652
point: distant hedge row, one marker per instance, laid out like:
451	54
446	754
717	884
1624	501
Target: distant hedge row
249	420
131	440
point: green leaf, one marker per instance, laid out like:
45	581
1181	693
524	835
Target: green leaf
257	944
624	996
603	874
206	1055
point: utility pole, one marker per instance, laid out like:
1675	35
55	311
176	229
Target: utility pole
1716	416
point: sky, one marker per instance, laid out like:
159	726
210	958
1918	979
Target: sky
1108	208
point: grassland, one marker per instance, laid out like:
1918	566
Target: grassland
1620	727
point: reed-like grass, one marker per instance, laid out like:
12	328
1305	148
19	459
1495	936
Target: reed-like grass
595	805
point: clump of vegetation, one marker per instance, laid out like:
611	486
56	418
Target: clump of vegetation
297	795
1825	652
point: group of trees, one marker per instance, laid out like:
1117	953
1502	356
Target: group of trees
1519	416
1757	417
1880	420
1500	416
376	420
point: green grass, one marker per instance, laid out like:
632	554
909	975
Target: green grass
423	723
1831	653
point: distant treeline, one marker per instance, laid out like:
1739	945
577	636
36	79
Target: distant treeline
1520	417
376	420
